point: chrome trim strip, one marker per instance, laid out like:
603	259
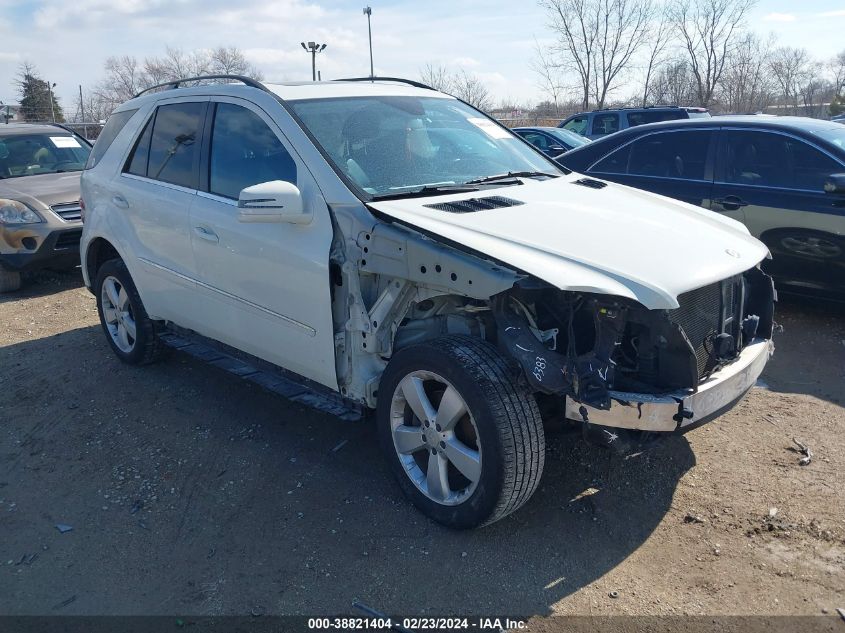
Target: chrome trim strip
160	183
311	331
648	412
216	198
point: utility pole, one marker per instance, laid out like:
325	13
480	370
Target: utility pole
50	87
368	12
314	48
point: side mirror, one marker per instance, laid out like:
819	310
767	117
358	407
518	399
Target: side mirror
835	184
274	201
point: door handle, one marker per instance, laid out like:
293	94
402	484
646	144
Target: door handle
120	201
731	203
205	233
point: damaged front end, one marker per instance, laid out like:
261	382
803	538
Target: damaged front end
610	362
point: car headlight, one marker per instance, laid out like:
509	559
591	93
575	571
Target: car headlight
14	212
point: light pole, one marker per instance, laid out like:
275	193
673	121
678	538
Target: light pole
368	12
314	48
50	87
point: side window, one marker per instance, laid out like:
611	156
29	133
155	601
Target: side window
139	158
577	124
537	140
756	158
244	152
174	146
810	167
605	124
670	155
109	132
615	163
654	116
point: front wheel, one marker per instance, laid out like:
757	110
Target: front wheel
463	437
10	280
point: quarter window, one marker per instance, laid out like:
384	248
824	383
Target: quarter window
109	132
775	160
140	155
174	145
245	152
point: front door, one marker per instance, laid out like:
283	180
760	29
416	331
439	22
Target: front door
264	287
776	181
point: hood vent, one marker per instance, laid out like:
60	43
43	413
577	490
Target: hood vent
475	204
591	183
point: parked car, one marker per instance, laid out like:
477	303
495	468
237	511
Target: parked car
839	119
397	250
552	141
40	224
599	123
769	173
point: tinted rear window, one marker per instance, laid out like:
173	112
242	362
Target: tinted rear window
641	118
110	131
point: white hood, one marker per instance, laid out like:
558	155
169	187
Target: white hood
614	240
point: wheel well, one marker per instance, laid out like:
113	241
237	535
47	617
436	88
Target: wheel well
99	252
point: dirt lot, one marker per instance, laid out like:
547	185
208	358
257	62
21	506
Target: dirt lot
192	492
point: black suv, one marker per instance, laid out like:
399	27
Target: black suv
600	123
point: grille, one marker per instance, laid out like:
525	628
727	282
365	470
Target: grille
475	204
706	312
68	211
68	239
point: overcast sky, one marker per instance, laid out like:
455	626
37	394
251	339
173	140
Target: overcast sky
68	40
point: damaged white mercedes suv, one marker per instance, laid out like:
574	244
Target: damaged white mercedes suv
378	245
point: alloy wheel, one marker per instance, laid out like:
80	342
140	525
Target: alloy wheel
118	314
435	437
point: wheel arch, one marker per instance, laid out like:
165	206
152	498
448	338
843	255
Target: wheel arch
99	251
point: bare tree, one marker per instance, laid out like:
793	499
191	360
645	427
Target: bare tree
747	85
467	87
657	40
437	76
673	83
548	72
597	40
837	68
790	68
231	61
707	29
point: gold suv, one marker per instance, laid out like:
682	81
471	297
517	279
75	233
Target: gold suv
40	216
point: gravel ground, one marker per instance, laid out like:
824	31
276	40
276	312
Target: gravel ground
192	492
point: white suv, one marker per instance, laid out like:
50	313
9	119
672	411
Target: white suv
379	245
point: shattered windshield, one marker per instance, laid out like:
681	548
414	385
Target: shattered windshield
32	154
387	145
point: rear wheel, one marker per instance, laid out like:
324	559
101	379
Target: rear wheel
463	438
130	332
10	280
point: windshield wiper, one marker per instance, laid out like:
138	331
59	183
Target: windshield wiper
427	190
511	175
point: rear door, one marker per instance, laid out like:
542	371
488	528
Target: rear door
675	163
263	287
157	186
775	180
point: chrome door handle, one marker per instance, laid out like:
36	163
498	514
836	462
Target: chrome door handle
206	234
120	201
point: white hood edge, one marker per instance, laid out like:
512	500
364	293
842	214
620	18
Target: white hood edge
615	240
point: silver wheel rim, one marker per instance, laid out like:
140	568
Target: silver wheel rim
117	314
435	438
812	246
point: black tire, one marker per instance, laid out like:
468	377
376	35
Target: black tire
505	415
10	280
147	347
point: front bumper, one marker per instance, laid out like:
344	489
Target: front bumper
681	411
34	246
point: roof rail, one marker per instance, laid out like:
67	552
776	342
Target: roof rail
175	83
410	82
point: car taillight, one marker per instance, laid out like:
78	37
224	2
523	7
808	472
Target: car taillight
82	209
